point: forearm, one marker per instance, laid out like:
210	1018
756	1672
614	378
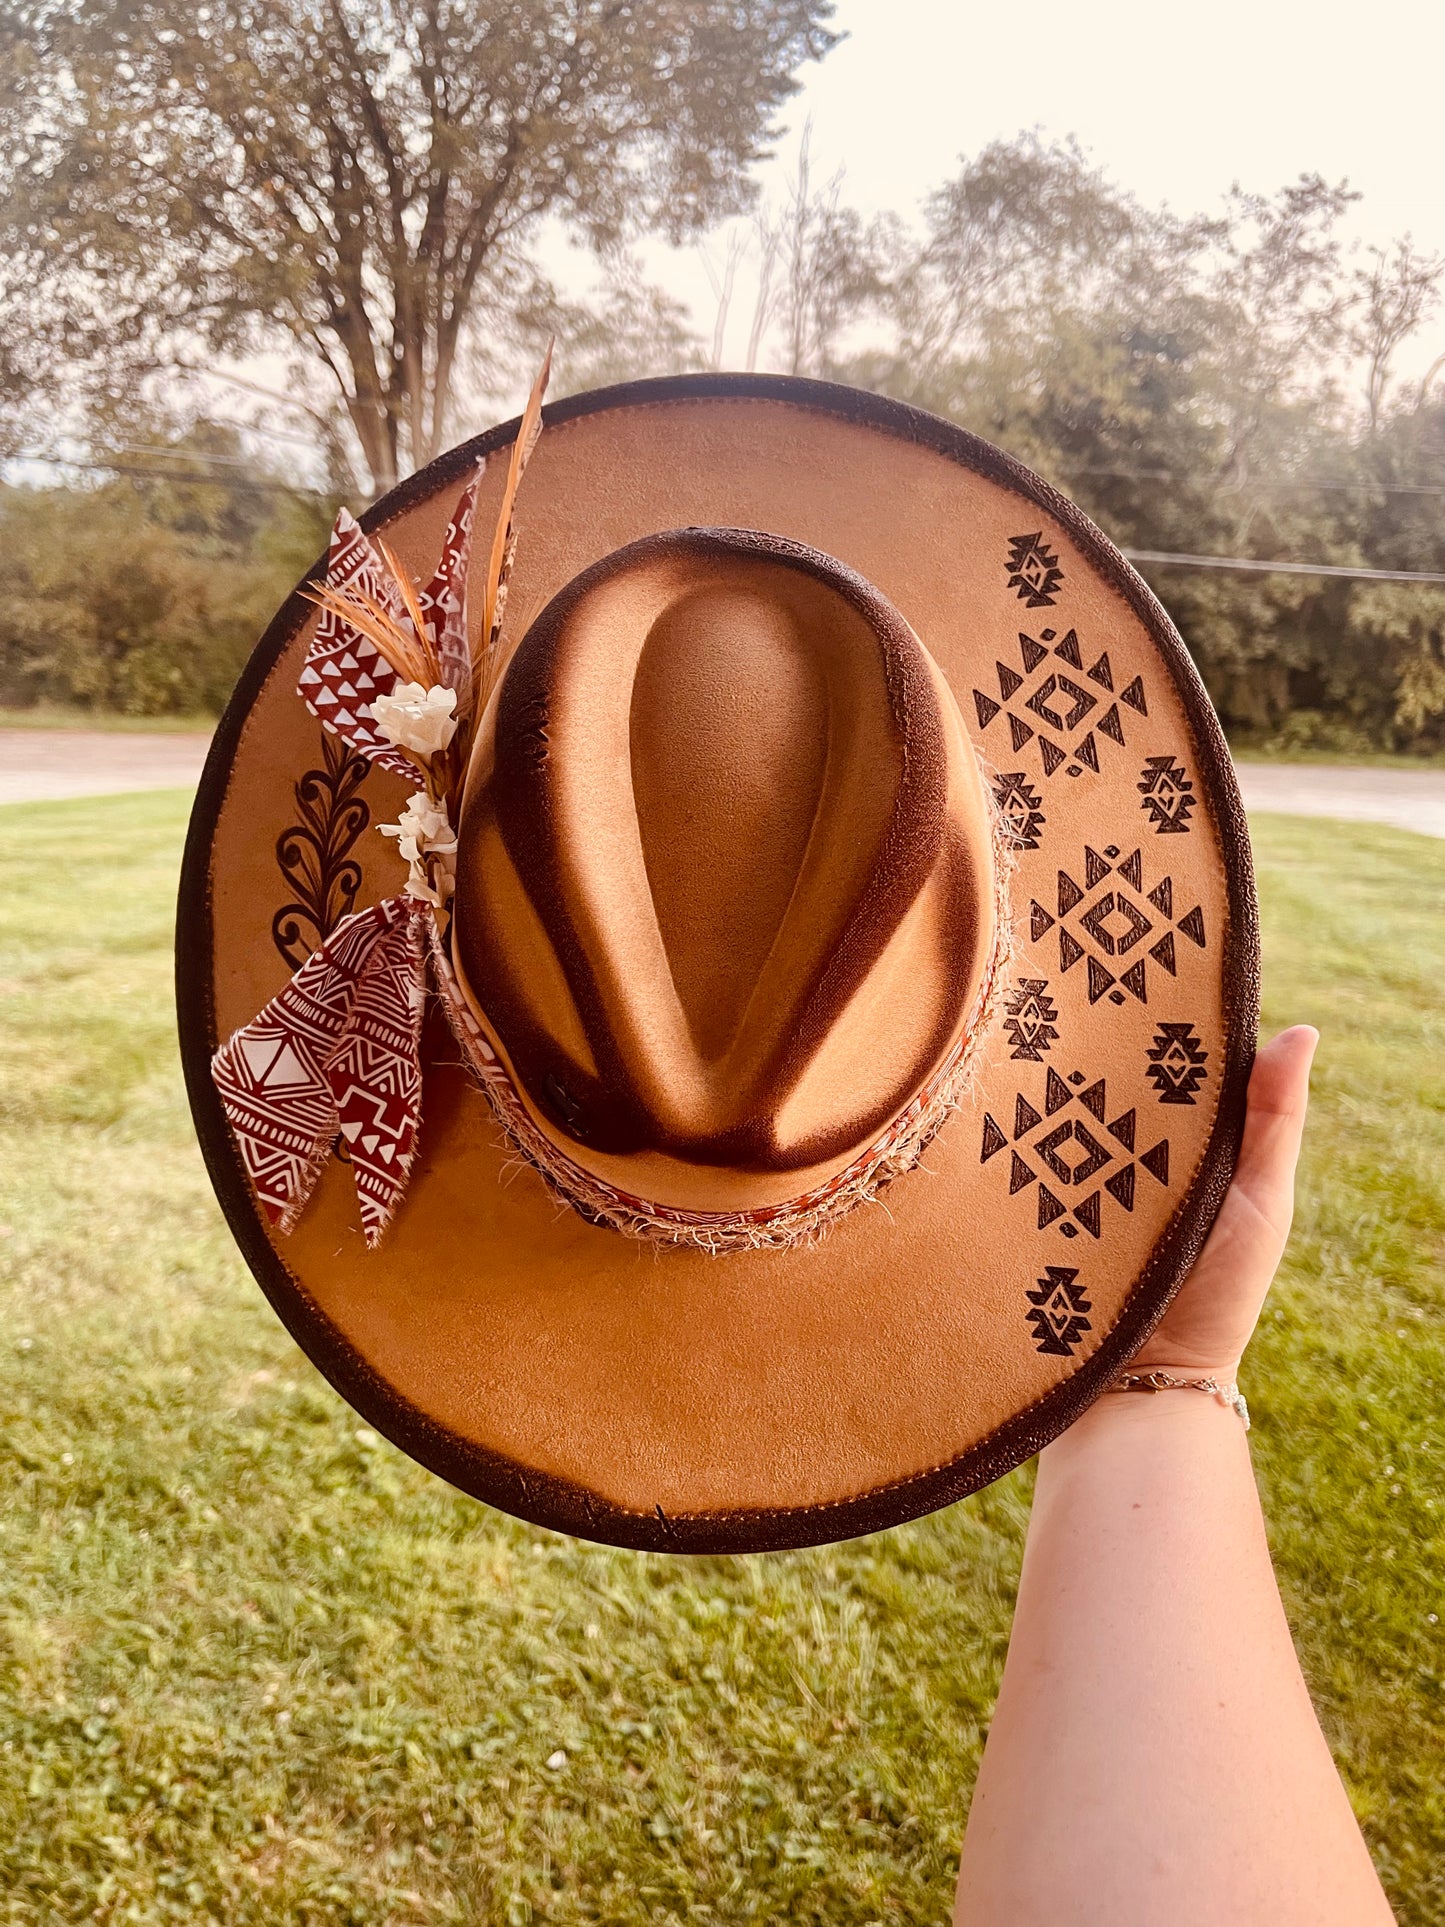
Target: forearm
1154	1756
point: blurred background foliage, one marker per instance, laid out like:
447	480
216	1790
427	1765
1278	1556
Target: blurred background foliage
288	252
145	595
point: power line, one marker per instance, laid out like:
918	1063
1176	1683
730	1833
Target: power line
1246	564
1300	483
171	453
248	484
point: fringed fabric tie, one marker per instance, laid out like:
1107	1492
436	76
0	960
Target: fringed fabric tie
336	1057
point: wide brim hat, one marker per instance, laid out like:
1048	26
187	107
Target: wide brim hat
973	1102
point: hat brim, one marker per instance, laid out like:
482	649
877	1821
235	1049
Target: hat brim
668	1400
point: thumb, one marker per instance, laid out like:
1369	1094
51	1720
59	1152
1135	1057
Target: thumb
1210	1322
1279	1089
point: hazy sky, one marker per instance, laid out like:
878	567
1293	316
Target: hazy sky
1174	102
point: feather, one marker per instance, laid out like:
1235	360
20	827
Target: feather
503	542
411	602
373	620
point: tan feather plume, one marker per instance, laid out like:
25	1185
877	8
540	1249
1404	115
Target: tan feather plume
504	541
364	613
411	601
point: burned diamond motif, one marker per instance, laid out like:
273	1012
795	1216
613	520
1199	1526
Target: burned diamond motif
1085	1153
1059	702
1168	795
1177	1064
1033	570
1031	1019
1020	809
1110	928
1058	1311
1065	1149
1043	702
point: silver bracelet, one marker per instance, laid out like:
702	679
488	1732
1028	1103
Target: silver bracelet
1222	1394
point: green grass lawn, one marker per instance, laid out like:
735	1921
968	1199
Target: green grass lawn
257	1667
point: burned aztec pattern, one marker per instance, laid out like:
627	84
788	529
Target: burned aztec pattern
1058	1311
1168	795
1034	574
1111	927
1031	1015
1118	919
1178	1064
1054	705
1020	808
1062	1139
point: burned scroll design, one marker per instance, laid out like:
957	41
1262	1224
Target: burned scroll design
314	854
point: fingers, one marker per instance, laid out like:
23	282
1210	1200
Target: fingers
1210	1322
1274	1124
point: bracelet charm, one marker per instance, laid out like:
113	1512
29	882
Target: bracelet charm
1227	1394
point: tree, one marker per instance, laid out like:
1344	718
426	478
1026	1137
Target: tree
145	593
818	268
624	330
1186	382
1025	229
826	267
357	178
1396	293
1280	312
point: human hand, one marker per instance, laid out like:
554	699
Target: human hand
1205	1330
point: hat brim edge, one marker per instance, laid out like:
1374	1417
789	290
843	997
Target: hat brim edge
561	1505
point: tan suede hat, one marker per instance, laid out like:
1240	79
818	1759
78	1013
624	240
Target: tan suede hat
793	1043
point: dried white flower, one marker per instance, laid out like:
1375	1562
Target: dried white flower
426	839
417	718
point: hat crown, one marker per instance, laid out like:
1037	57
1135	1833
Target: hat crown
724	890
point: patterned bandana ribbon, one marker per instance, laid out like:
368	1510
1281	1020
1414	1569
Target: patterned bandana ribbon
336	1059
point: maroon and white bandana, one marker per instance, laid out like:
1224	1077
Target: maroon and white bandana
345	672
335	1058
444	600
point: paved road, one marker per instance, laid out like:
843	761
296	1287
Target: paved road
38	764
1407	799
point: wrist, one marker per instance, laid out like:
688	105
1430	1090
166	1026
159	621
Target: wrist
1149	1384
1181	1362
1151	1416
